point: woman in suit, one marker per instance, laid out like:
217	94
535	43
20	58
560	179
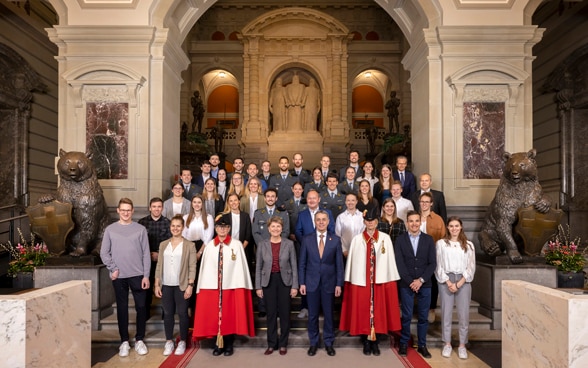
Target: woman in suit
253	198
276	281
212	201
175	285
238	220
177	204
222	187
317	182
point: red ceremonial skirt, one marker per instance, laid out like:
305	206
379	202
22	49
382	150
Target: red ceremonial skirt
237	313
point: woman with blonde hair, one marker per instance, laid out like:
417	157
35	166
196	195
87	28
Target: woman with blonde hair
253	198
213	203
237	186
389	222
456	266
174	283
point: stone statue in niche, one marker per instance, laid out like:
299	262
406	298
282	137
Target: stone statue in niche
79	186
392	107
218	135
277	106
197	111
184	132
518	188
295	103
312	105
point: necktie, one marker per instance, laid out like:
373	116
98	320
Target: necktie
283	177
271	212
321	245
187	188
324	174
297	203
351	185
402	178
333	195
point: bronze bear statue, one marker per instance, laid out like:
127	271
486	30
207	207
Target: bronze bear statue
518	188
79	186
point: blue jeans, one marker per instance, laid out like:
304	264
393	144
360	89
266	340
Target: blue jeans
407	305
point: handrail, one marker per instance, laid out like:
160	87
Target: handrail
7	207
13	219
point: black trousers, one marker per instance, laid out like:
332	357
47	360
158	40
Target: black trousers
172	299
121	292
277	303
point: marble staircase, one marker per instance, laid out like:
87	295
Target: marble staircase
480	329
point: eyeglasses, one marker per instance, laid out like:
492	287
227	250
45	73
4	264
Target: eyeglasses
124	210
425	202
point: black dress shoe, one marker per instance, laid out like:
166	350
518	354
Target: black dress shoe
217	351
228	351
424	352
311	351
375	349
402	350
262	314
330	350
367	350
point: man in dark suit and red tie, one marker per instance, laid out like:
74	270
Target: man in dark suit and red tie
321	273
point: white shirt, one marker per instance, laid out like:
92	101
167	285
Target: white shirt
222	188
347	226
235	225
177	208
196	230
452	259
172	263
403	205
252	206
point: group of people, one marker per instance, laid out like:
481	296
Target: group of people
314	233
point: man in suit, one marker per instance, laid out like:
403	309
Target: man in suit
214	165
190	190
438	197
405	177
416	262
265	175
295	205
321	274
325	167
348	183
252	172
354	163
201	179
261	217
238	165
305	225
302	175
283	182
332	199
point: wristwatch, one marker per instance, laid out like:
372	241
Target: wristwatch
421	280
191	284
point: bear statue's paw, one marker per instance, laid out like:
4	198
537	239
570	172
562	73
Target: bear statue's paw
46	198
514	256
491	248
78	252
543	205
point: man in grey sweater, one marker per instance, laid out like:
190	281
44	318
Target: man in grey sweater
125	252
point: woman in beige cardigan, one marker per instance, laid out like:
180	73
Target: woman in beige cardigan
174	283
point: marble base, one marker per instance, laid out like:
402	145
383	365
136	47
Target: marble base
487	284
543	327
310	144
102	291
48	327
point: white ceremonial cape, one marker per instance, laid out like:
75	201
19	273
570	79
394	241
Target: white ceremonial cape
386	270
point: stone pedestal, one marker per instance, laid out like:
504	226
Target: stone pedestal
102	291
543	327
487	284
48	327
309	143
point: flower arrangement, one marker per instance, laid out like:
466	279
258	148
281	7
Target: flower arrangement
562	252
25	256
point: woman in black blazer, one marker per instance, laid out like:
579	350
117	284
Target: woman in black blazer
232	212
317	182
212	201
276	281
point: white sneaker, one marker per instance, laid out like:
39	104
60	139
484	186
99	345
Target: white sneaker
181	349
124	348
447	351
169	348
141	348
303	313
462	353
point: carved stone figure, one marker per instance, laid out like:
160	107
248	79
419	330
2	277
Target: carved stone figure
277	105
197	111
80	187
392	107
295	103
312	105
518	188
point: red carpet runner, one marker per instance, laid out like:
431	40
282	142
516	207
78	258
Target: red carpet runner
412	360
181	361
